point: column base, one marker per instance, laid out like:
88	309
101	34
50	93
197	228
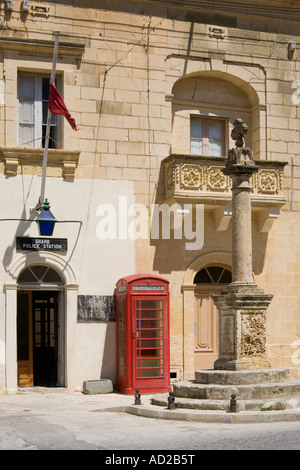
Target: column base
242	364
242	327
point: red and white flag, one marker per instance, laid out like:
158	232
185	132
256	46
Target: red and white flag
57	106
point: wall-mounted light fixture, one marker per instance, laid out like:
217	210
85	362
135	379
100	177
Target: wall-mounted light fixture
46	220
292	49
25	6
9	5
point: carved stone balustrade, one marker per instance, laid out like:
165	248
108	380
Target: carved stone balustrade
199	180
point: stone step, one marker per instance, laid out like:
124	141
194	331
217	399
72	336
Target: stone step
224	405
187	389
225	377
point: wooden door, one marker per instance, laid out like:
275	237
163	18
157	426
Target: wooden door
205	329
37	320
24	339
44	320
210	281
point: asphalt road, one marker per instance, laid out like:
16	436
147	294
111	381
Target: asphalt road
26	429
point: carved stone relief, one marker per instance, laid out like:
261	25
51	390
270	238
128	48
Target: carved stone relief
268	181
253	334
206	176
191	176
216	180
169	176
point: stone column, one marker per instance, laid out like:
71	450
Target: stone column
241	222
242	306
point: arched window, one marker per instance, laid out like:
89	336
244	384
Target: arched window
39	274
213	275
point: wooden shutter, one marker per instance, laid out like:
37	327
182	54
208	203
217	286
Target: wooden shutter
26	98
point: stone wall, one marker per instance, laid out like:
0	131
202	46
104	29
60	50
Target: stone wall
122	65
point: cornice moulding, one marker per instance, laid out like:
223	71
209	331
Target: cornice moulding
30	46
15	156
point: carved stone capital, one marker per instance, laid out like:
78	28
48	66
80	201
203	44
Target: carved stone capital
240	161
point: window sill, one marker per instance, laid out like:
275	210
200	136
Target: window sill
16	157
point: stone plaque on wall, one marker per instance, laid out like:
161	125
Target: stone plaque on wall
96	308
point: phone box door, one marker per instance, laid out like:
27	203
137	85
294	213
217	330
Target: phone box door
143	350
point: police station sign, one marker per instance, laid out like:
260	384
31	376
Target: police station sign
42	244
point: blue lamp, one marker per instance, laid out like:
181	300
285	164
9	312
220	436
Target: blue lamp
46	220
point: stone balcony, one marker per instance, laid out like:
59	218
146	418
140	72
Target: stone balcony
199	180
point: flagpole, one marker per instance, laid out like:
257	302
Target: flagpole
52	82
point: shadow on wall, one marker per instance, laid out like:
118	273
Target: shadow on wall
170	10
101	309
108	370
259	248
172	254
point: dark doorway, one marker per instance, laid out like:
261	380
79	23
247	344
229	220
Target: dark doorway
44	323
37	335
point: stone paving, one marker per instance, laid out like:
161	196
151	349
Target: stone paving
39	400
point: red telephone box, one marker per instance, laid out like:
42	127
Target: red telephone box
143	350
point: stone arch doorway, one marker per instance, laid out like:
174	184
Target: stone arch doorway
40	327
67	308
209	281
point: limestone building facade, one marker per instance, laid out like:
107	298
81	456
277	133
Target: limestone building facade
154	88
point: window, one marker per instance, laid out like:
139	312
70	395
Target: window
207	137
39	274
213	275
33	95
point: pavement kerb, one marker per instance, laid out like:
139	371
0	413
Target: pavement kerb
242	417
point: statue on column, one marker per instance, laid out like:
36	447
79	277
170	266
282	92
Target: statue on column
242	306
239	155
